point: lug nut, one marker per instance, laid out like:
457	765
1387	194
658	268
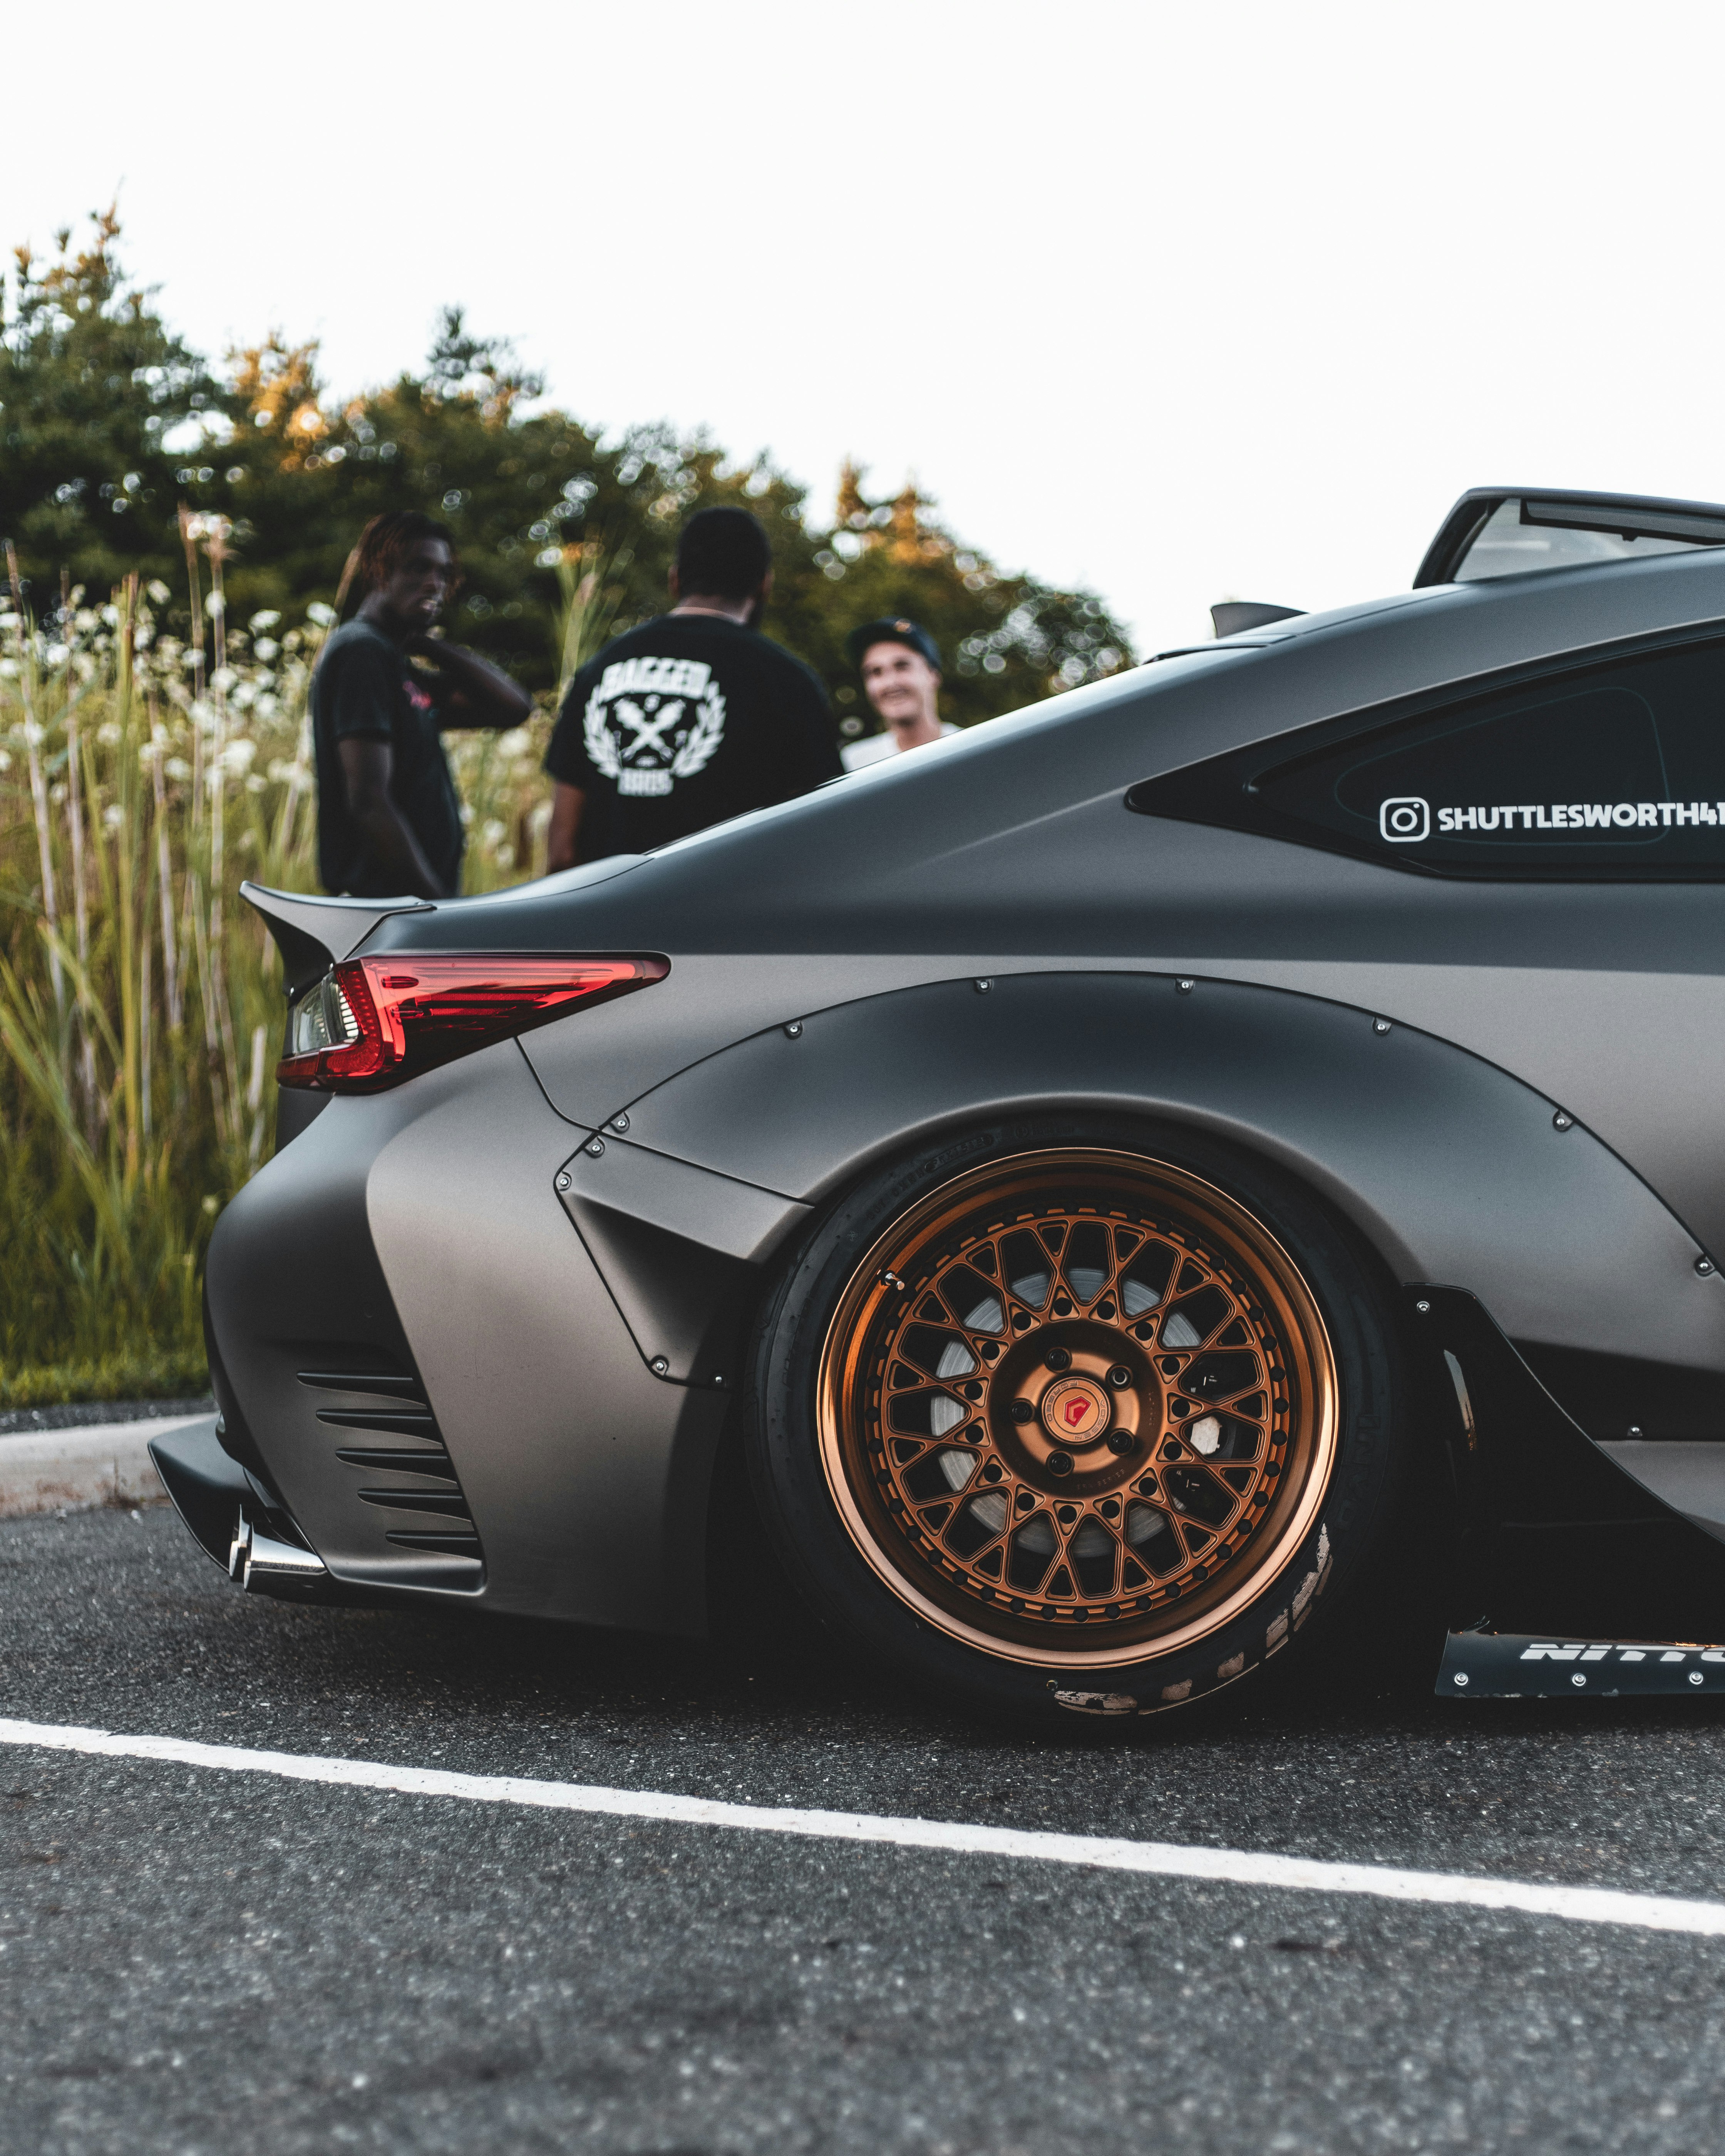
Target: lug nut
1123	1441
1057	1358
1120	1377
1059	1463
1022	1411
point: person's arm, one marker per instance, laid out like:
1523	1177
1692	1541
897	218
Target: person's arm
366	764
571	772
806	752
473	692
562	838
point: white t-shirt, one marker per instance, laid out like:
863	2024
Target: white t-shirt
877	747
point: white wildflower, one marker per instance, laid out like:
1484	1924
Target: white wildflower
265	618
158	590
266	647
323	615
215	606
237	756
514	743
113	816
177	767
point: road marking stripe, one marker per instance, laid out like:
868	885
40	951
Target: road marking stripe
1240	1867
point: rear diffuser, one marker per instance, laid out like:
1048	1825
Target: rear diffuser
1514	1665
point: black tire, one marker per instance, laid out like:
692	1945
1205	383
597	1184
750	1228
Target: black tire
821	1456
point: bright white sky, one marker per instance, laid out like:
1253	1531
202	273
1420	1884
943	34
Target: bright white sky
1180	302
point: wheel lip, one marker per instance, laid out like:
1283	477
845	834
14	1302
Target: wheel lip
1294	1286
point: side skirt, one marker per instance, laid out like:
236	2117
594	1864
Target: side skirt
1511	1666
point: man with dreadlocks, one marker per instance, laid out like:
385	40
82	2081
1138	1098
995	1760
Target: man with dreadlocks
388	824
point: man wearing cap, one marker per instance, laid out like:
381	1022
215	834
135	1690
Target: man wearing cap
899	664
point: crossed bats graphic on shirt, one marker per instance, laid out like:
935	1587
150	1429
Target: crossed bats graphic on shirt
654	733
649	733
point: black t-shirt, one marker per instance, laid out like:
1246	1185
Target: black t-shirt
366	688
683	722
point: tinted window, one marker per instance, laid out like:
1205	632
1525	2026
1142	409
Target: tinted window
1617	770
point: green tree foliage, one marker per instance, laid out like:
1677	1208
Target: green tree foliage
94	393
111	426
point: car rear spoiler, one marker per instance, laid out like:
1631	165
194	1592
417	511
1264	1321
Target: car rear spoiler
314	933
1631	515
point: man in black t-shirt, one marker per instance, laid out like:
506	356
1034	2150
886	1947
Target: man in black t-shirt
690	719
388	824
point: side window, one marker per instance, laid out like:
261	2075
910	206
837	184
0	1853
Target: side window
1615	771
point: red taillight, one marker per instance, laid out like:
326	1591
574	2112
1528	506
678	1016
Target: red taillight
373	1022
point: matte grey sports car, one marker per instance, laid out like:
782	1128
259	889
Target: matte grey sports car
1113	1179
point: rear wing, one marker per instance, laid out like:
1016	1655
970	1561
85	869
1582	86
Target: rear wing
1499	521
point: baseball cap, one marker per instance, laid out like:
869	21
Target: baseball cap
893	629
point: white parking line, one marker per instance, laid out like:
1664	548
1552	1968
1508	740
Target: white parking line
1240	1867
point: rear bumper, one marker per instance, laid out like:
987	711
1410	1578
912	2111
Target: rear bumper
416	1354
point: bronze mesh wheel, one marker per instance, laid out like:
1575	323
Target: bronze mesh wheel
1077	1407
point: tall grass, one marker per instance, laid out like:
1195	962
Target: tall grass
142	775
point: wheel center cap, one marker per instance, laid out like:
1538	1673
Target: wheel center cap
1075	1411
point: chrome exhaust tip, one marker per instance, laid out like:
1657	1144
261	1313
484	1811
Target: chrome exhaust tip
261	1561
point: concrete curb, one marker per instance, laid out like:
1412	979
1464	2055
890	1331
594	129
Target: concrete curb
73	1471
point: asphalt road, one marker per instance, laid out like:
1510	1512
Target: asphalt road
193	1961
